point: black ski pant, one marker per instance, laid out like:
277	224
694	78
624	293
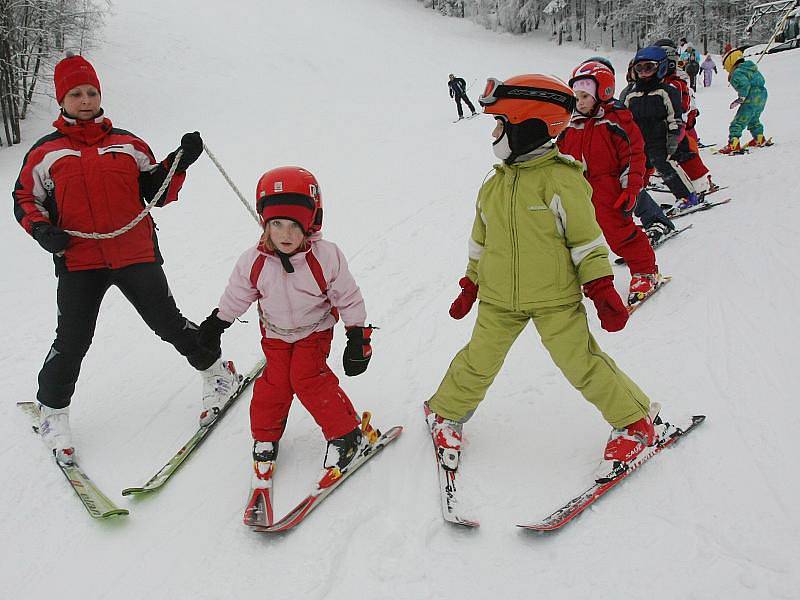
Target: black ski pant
458	99
670	171
650	212
79	296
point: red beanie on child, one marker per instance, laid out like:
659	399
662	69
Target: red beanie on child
72	72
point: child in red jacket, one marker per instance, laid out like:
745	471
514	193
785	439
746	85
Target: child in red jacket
603	135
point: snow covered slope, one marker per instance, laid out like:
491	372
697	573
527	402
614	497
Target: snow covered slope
356	91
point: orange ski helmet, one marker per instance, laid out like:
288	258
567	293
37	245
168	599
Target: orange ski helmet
598	72
533	108
290	193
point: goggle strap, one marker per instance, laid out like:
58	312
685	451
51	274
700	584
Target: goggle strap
562	99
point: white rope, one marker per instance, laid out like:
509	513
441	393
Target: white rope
141	215
247	205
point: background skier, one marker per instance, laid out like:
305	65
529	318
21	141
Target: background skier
709	68
749	84
458	91
603	136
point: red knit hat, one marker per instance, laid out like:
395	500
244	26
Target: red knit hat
71	72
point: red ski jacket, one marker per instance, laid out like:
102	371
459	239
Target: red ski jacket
612	148
89	176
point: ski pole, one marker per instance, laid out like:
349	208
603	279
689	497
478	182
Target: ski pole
233	185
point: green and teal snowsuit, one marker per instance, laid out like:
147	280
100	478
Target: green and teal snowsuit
748	82
534	243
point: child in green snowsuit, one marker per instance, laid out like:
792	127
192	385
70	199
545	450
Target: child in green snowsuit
749	84
534	243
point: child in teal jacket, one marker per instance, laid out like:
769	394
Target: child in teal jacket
749	84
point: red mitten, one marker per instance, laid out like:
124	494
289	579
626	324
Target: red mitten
626	202
612	311
462	305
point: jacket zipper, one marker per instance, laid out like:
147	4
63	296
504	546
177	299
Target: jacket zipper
514	250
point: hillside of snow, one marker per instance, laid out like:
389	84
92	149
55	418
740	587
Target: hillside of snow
356	92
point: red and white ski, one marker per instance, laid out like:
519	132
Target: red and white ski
634	307
603	485
448	491
330	480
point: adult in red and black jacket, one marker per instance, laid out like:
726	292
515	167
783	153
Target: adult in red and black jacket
603	135
91	177
656	108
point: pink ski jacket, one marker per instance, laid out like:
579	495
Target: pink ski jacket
294	305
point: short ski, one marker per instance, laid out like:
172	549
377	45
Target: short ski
172	465
330	480
677	214
577	505
466	118
746	149
448	491
701	195
661	241
258	512
635	306
96	502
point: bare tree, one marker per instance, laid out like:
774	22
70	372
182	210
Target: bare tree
33	36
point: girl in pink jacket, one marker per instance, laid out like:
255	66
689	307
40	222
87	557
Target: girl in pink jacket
302	286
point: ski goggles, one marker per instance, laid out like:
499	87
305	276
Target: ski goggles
496	90
646	67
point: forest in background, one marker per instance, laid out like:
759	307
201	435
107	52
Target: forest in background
34	35
707	24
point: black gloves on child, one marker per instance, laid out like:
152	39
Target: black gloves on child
51	238
211	331
358	351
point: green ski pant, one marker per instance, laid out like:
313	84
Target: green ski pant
564	331
748	117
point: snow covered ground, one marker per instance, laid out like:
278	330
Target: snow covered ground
356	91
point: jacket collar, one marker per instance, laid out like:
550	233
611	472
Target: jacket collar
541	155
83	132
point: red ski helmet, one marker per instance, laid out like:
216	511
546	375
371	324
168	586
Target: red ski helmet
290	193
602	76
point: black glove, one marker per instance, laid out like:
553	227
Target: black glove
211	331
357	352
50	237
192	146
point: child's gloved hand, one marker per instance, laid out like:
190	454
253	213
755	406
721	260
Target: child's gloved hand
463	304
358	350
211	331
626	202
612	311
735	103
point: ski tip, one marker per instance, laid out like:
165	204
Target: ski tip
117	512
467	523
134	491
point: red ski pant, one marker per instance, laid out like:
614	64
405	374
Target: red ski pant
300	369
625	238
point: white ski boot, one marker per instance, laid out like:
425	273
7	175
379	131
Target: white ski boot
55	432
220	381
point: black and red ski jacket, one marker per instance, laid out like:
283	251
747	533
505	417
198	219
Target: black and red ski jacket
92	177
